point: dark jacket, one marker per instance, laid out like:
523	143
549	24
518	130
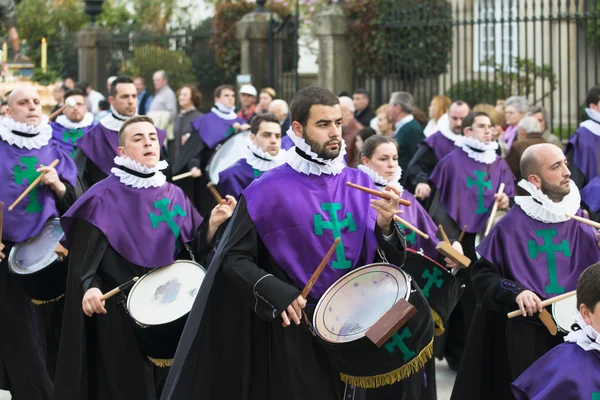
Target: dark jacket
408	137
513	158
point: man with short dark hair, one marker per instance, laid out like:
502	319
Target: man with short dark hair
407	130
362	109
74	122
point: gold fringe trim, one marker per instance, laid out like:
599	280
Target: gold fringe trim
42	302
161	362
438	323
372	382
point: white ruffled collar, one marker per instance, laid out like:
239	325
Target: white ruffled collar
587	337
42	132
223	112
319	166
444	128
477	150
87	120
114	121
380	181
592	124
539	207
137	182
261	160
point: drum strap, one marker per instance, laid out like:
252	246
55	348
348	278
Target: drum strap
381	255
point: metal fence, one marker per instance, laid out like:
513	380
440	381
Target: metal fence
482	51
283	55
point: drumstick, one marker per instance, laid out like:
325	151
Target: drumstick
70	102
494	209
118	289
411	227
584	220
215	193
30	188
181	176
320	268
443	232
1	218
462	234
377	193
545	303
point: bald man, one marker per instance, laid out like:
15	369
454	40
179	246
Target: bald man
534	253
26	146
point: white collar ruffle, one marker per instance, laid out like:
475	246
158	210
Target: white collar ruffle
42	132
444	128
539	207
261	160
223	112
380	181
320	166
87	120
112	123
137	182
587	337
592	124
487	153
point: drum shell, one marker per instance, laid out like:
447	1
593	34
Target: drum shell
46	284
160	341
231	149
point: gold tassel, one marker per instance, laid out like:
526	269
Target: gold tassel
372	382
161	362
42	302
438	323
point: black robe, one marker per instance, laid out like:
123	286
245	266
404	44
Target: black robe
421	166
100	357
234	331
577	175
498	349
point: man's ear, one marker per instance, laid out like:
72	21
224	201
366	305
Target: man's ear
297	128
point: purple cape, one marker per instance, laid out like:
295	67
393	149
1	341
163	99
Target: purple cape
100	145
417	216
68	139
17	168
566	372
586	146
236	178
467	187
544	258
214	129
440	144
145	226
286	142
299	216
590	194
510	134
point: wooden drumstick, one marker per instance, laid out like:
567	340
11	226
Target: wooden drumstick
411	227
215	193
494	210
444	236
1	218
181	176
320	269
546	318
584	221
30	188
118	289
545	303
462	234
70	102
377	193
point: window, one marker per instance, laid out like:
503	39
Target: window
496	33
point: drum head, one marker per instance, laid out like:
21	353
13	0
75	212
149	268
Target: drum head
165	294
357	300
564	312
38	252
227	154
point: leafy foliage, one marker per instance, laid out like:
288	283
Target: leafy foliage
475	91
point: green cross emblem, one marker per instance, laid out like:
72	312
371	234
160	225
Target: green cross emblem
550	249
166	215
432	279
70	136
481	184
596	396
257	173
230	131
28	174
410	236
335	226
397	341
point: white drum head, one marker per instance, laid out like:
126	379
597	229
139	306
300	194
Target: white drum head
357	300
227	154
165	294
564	312
37	252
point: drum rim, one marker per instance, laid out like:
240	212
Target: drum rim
356	271
554	307
148	273
218	147
13	251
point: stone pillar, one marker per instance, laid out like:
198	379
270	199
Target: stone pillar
335	53
253	33
92	46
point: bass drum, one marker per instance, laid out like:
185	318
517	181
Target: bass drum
226	154
480	236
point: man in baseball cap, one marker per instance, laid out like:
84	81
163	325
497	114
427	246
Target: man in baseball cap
248	96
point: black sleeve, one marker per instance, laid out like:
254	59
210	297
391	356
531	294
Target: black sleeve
65	202
164	156
393	247
493	291
422	164
576	174
86	252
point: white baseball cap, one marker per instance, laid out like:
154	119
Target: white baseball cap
248	89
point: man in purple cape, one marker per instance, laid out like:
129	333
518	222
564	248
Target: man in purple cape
73	123
570	370
534	252
590	196
284	224
582	150
98	147
263	154
26	145
434	148
124	226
